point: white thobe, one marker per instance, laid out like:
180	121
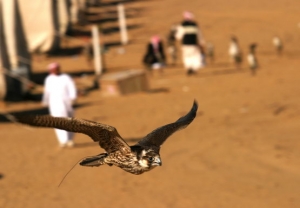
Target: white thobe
191	54
59	93
192	57
233	51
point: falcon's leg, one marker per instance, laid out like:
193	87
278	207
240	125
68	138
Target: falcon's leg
94	161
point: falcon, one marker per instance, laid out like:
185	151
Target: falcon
136	159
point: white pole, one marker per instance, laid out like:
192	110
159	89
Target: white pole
2	84
97	50
122	24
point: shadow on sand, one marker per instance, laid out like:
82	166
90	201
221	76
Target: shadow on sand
38	111
39	77
159	90
110	3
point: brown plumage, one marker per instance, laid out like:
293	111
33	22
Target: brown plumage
135	159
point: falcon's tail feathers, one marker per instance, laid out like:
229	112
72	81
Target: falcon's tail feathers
94	160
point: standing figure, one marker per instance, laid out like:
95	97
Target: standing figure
252	60
172	49
210	52
278	44
59	95
192	43
235	52
155	57
88	51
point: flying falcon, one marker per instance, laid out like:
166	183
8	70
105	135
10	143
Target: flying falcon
136	159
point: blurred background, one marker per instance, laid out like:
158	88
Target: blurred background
242	149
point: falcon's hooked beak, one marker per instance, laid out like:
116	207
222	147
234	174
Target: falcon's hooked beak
157	161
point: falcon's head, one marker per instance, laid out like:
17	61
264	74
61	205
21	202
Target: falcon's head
149	159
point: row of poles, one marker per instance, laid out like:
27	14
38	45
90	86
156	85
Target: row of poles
96	49
96	39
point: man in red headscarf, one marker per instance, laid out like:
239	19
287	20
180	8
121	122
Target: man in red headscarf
59	94
155	56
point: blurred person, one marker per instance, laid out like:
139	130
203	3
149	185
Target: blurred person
59	95
210	52
278	44
172	49
155	58
235	52
192	43
88	50
252	60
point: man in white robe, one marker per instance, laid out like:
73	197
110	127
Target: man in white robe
59	95
192	44
235	52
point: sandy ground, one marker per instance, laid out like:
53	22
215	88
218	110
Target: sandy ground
242	150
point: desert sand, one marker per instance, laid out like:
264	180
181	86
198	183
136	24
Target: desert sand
242	149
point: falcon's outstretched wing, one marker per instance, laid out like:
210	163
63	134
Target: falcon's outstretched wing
159	135
107	136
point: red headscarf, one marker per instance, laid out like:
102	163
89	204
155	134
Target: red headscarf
188	15
155	39
53	66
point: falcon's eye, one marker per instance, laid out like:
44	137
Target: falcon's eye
150	159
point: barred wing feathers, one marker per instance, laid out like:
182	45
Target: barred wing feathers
160	135
107	136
